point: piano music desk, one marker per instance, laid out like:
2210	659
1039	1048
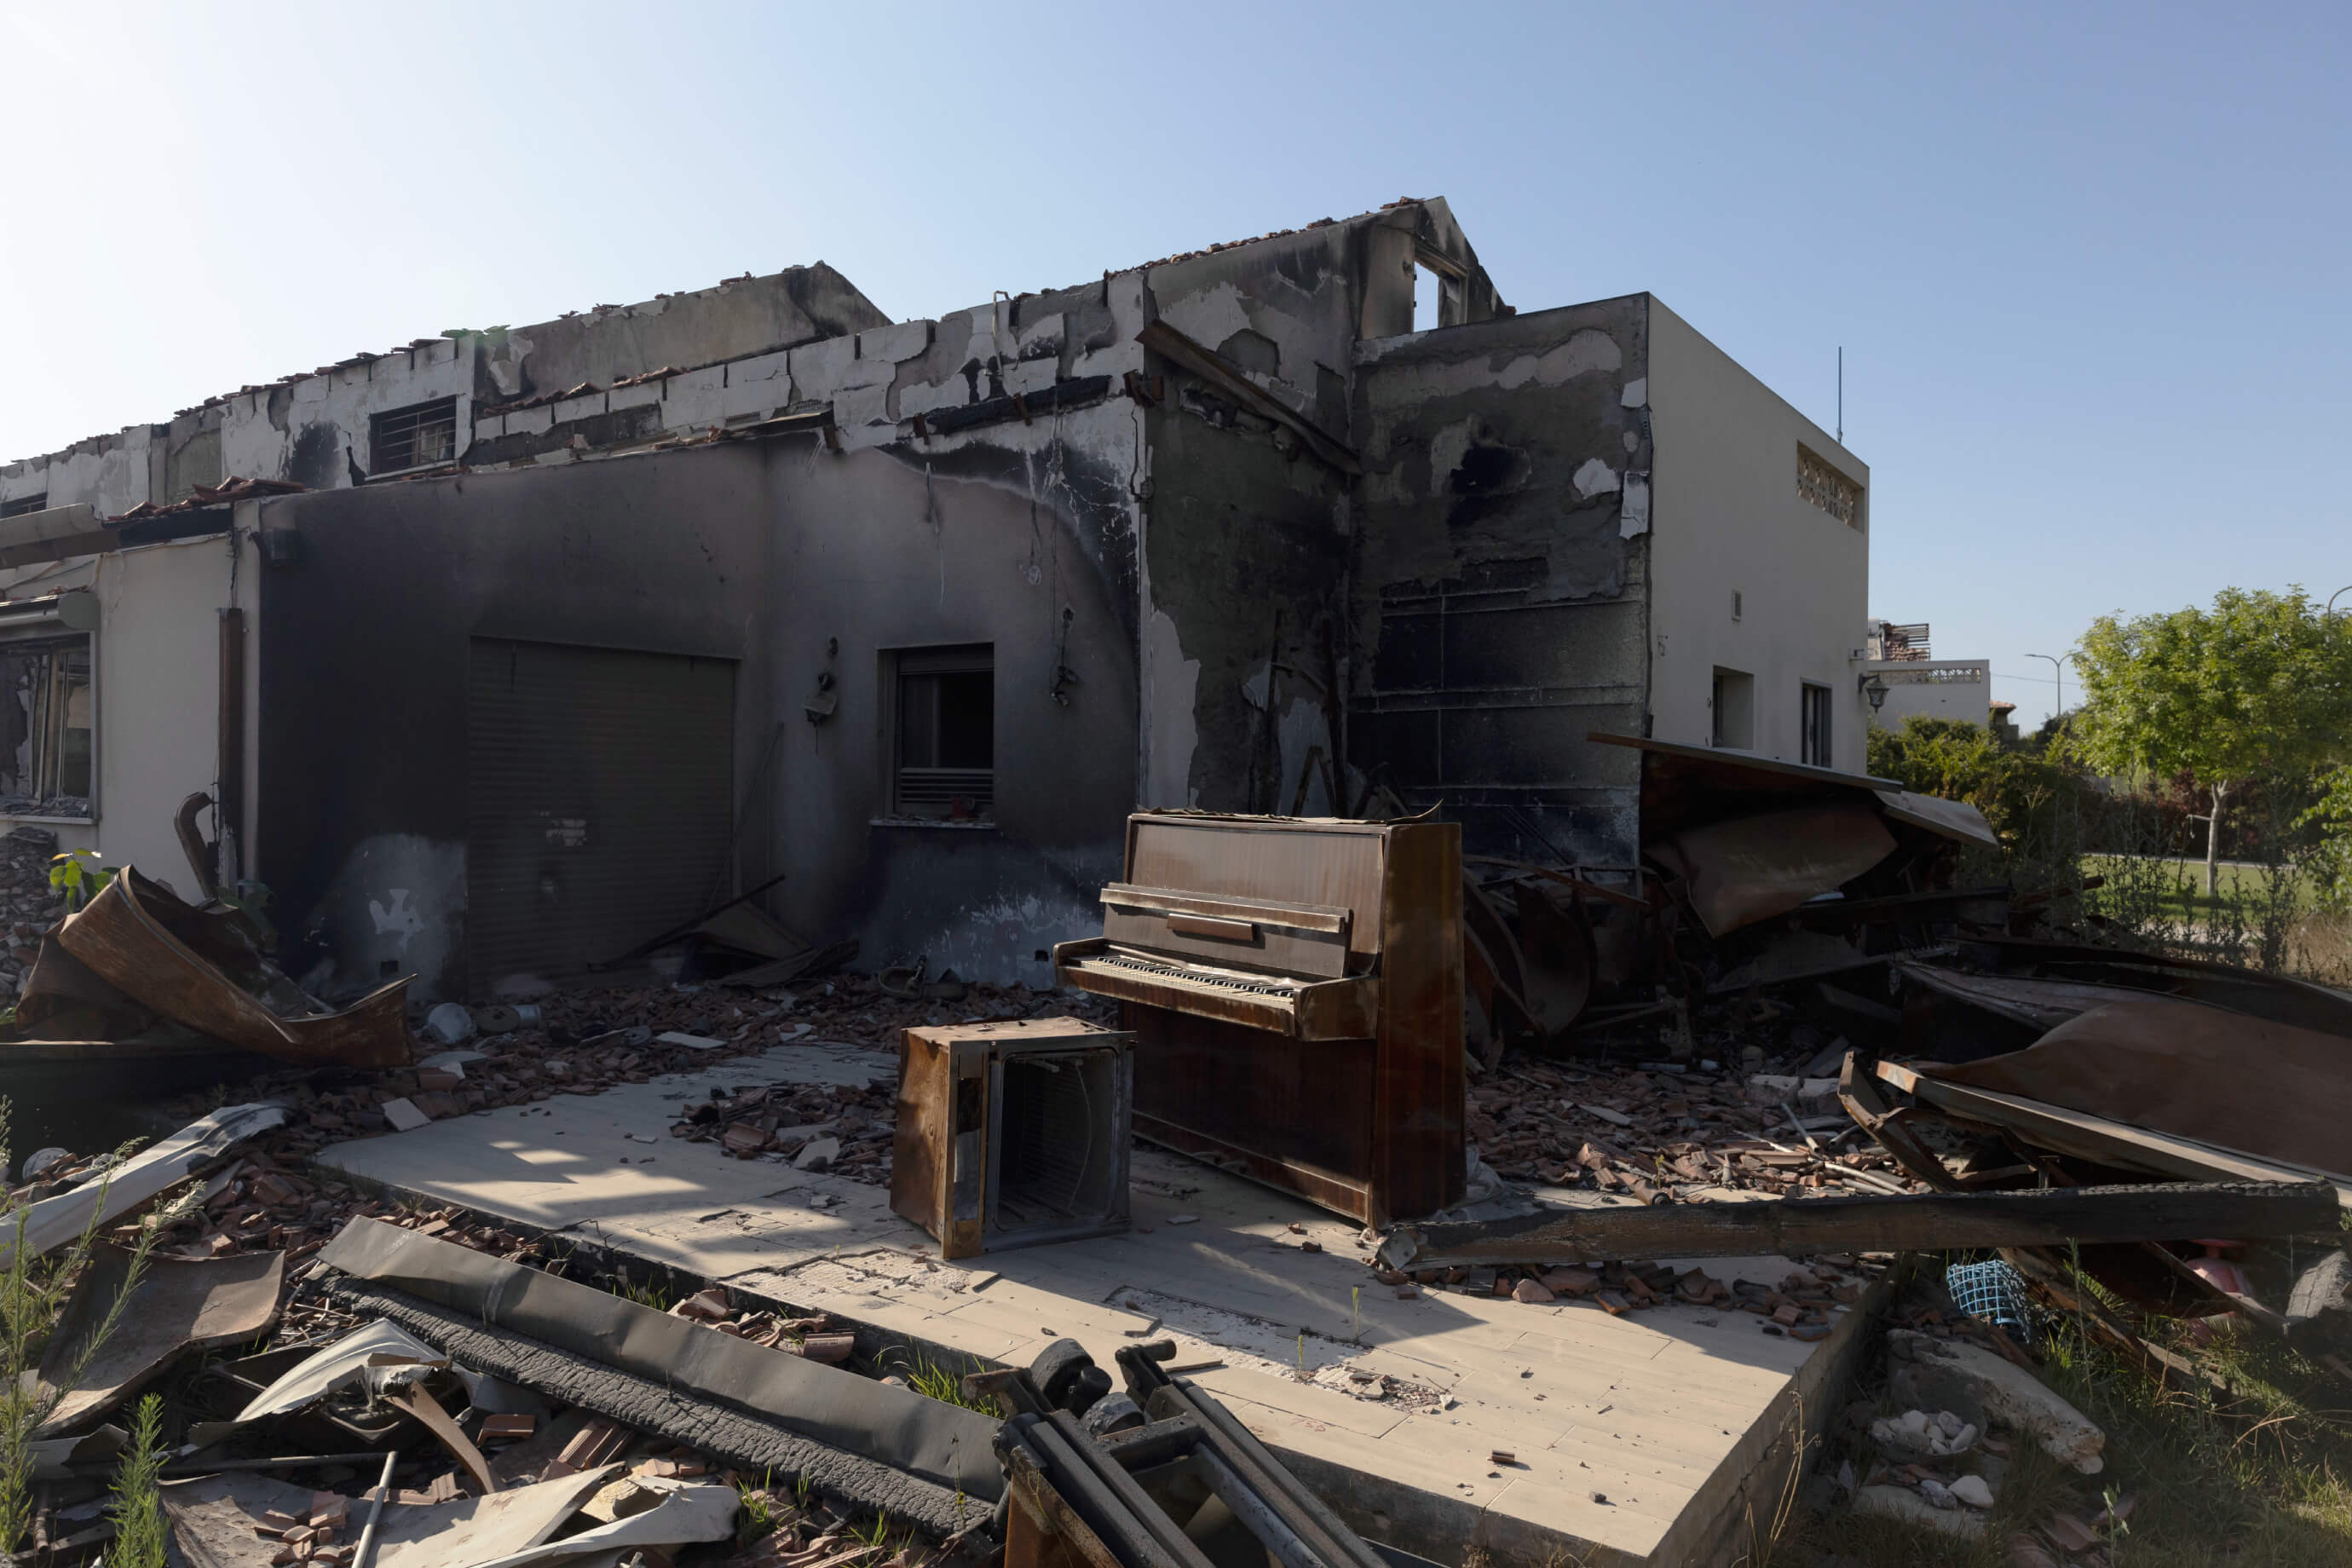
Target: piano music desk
1667	1415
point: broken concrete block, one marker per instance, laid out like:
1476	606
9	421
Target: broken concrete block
1917	1436
403	1116
817	1154
448	1024
1570	1282
1529	1291
692	1042
1903	1503
2007	1393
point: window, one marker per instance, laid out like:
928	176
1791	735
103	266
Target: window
1734	708
1813	723
44	726
943	726
415	437
1829	489
1738	604
24	505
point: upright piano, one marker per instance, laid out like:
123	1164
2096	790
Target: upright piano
1294	989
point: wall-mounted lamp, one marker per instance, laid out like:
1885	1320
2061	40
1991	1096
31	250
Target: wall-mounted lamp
1874	686
822	706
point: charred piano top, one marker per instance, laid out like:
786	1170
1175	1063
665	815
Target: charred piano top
1309	891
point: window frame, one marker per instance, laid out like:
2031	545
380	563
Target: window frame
45	760
1719	735
1813	702
423	415
900	665
26	506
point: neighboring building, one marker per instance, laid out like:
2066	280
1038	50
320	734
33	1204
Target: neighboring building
908	616
1901	660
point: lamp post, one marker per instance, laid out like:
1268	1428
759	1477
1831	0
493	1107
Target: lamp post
1873	687
2335	595
2057	668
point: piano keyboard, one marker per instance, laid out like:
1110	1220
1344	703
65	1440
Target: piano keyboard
1187	974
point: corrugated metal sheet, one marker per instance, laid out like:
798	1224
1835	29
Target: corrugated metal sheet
599	801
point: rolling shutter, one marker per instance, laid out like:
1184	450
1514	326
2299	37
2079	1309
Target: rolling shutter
599	797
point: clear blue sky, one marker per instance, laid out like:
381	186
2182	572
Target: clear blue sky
2088	264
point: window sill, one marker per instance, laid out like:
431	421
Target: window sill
930	821
90	821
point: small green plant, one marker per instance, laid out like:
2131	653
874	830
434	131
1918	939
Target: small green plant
646	1295
34	1289
81	875
137	1507
1302	1355
877	1534
933	1381
759	1519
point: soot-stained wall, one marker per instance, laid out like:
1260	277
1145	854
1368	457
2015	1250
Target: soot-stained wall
362	797
1498	589
782	554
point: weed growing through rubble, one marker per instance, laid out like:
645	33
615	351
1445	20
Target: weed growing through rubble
759	1519
877	1534
932	1381
137	1507
646	1295
33	1293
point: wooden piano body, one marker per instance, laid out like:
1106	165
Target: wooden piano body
1295	990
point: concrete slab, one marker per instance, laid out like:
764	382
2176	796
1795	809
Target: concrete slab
1635	1440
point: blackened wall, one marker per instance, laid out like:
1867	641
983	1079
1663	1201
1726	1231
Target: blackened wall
1499	592
791	558
364	649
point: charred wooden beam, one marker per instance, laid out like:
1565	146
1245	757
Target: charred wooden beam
1922	1221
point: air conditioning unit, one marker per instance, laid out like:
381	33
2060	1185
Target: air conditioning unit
1013	1134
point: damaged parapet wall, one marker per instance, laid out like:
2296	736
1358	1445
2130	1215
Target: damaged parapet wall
1500	574
1154	557
317	428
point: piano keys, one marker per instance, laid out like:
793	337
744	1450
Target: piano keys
1294	989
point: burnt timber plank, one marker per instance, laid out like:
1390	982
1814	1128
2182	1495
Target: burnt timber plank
2169	1211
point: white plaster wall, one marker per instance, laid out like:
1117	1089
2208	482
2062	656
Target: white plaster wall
158	668
1726	516
253	445
1969	700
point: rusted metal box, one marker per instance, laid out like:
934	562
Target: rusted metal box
1012	1134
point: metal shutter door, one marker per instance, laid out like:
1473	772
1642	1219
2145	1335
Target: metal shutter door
599	793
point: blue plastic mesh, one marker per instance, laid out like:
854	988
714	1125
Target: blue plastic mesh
1993	1291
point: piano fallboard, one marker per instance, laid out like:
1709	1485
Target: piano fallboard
1296	1006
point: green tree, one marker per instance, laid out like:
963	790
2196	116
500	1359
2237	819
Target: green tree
2258	685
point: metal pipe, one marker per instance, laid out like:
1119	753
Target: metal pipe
1273	1531
1096	1494
1345	1544
366	1548
228	812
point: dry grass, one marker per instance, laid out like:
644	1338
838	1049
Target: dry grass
2257	1477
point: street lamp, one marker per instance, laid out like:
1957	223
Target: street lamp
2335	595
2057	669
1873	687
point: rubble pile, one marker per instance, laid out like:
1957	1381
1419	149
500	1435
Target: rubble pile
1931	1437
28	905
587	1041
1661	1130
